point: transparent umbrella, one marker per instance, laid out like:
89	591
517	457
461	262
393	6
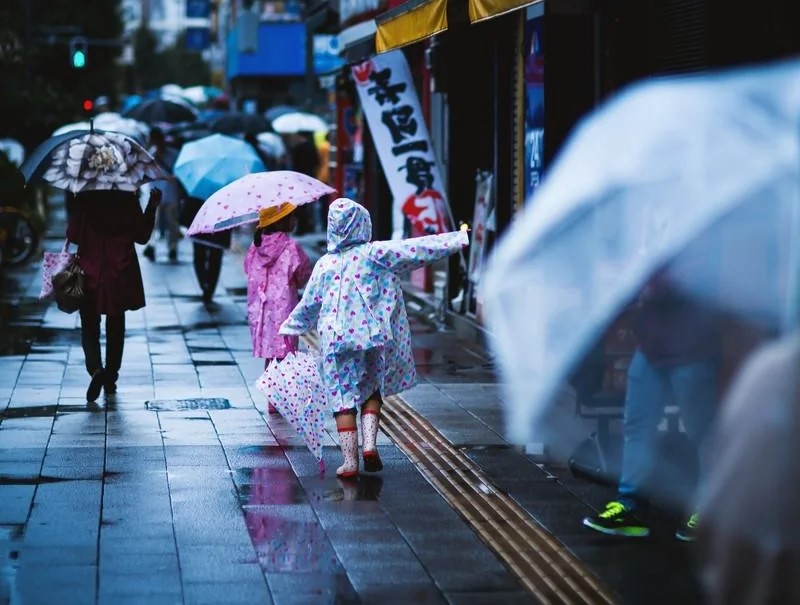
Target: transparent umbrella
682	169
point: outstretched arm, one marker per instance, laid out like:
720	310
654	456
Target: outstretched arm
401	256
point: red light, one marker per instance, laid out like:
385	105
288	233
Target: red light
88	105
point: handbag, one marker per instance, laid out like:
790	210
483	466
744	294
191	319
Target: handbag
69	288
52	263
69	284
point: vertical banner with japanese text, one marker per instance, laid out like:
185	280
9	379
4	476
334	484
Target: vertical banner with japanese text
394	116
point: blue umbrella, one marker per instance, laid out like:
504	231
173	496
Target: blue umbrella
208	164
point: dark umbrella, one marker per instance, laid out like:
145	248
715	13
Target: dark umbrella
152	111
279	110
82	160
35	164
235	122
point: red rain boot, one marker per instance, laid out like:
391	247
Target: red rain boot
369	436
348	440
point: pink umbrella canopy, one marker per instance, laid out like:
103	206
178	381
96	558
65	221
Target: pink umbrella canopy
239	202
293	385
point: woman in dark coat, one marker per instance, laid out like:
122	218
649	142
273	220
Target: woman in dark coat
105	225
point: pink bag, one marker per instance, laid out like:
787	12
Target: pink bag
52	263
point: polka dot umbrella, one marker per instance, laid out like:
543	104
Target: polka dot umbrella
239	202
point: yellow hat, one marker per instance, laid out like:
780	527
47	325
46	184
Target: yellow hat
272	214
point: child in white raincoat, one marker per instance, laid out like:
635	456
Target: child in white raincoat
355	302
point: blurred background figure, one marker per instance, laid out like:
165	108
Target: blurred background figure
676	361
207	250
304	158
167	219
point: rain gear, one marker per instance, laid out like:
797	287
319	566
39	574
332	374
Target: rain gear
275	270
355	302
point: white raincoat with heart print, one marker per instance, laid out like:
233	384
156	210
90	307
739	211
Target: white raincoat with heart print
355	302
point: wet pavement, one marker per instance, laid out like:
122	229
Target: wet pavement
180	489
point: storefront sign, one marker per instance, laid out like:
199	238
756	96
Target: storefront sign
534	104
392	110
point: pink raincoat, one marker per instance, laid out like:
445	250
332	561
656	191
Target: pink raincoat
275	270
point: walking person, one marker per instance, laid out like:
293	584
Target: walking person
105	224
276	267
207	250
355	302
676	360
171	193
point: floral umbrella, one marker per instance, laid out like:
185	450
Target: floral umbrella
293	385
239	202
83	161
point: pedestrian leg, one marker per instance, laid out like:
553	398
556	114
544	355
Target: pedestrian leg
696	392
370	419
90	341
115	343
348	441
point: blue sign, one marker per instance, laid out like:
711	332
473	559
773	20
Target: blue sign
198	38
198	9
326	54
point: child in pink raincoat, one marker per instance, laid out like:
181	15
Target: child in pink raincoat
355	302
276	268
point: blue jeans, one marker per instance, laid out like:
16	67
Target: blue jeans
692	387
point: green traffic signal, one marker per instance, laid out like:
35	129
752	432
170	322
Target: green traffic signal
78	52
79	59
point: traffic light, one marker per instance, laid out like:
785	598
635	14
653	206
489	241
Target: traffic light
88	105
78	52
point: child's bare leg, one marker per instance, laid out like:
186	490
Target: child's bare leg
348	440
370	419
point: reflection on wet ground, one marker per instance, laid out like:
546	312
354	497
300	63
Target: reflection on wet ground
286	533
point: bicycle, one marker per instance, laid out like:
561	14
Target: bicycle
19	238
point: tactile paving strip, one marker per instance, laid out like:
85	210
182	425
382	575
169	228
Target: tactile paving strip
545	567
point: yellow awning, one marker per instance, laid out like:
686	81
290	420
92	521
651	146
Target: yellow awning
410	22
481	10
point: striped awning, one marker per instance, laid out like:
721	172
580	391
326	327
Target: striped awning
412	21
482	10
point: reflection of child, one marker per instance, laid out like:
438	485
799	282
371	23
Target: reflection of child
354	301
276	267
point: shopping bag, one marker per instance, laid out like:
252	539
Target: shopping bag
294	386
52	263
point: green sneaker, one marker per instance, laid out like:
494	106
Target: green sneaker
617	520
688	533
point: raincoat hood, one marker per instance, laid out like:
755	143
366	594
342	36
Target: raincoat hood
272	245
348	224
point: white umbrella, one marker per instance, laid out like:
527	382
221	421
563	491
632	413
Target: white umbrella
299	122
272	144
645	176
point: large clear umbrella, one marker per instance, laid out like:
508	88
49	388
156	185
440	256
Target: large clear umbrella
665	163
697	177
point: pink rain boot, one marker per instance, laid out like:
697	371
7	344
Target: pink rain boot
369	435
348	439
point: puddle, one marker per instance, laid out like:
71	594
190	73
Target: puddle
38	479
222	362
177	405
41	411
